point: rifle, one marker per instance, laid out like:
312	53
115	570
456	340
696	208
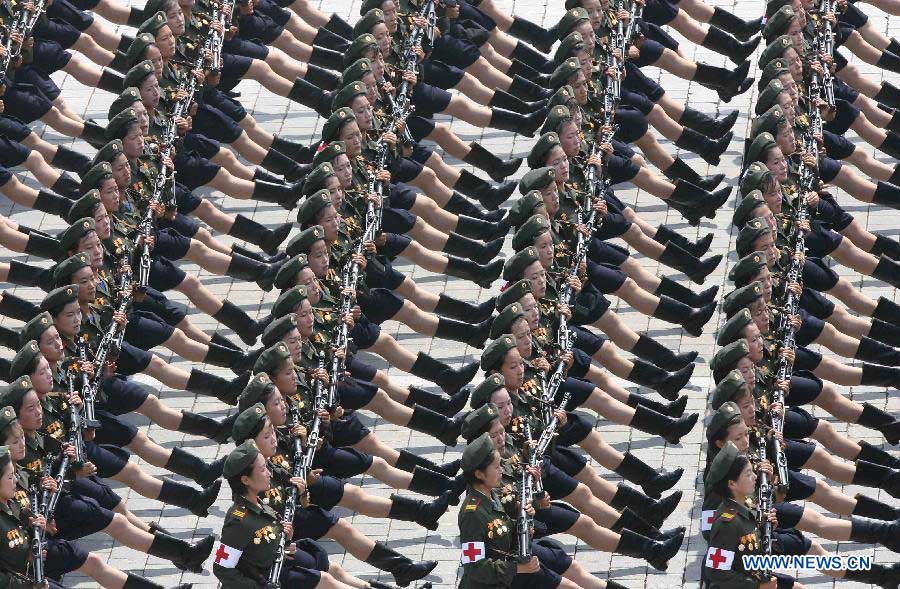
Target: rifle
38	507
23	24
111	343
76	425
88	391
766	498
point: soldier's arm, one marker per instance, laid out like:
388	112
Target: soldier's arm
234	538
723	543
487	571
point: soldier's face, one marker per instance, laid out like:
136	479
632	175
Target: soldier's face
330	220
343	170
351	136
569	139
748	370
503	401
790	86
31	414
109	194
745	485
765	277
143	118
285	378
155	57
559	161
294	342
68	322
121	170
390	15
748	411
371	87
150	92
175	21
586	30
15	441
786	139
133	142
739	435
764	212
491	475
543	243
101	221
760	313
90	245
382	37
260	478
522	333
773	196
550	194
579	87
538	277
766	244
305	321
42	377
276	409
497	434
8	482
531	310
318	258
337	193
513	369
87	286
595	12
777	164
307	278
51	345
165	40
754	339
363	111
794	64
787	105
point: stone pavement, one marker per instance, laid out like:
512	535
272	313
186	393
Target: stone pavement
294	122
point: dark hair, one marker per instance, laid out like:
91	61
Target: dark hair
239	489
721	488
130	126
469	476
260	424
55	311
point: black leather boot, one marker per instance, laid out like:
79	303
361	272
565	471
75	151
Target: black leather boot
653	511
888	95
679	170
870	453
674	409
533	34
695	269
184	555
740	28
233	317
448	406
408	461
203	383
490	197
266	239
302	154
656	553
887	333
874	418
436	425
876	352
872	508
197	502
484	276
670	288
283	195
405	571
724	44
887	310
424	513
877	477
27	275
478	229
525	88
495	167
459	331
524	125
664	234
640	473
339	26
886	576
449	307
111	81
50	202
652	351
457	245
449	379
201	425
70	160
692	320
311	96
671	430
327	58
94	134
707	125
703	146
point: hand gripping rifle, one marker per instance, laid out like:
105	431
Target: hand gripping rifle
111	344
526	490
766	498
88	390
23	24
38	507
76	424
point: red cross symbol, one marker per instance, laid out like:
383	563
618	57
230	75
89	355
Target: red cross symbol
716	557
711	518
471	552
221	554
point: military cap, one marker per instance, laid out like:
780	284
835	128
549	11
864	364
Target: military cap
278	328
747	267
515	266
83	208
153	24
5	457
7	418
356	70
741	298
564	71
772	71
536	179
513	293
477	452
13	393
568	47
35	328
726	415
107	153
313	204
768	96
344	96
138	48
571	19
494	351
778	23
289	300
482	393
126	99
479	421
727	389
768	121
504	321
555	118
523	208
338	118
731	331
775	49
303	241
138	73
68	239
772	6
359	47
153	6
24	361
541	148
271	358
727	357
288	272
240	459
721	465
368	20
749	203
562	97
756	177
329	152
59	297
759	148
750	232
255	389
63	271
94	176
368	5
529	231
118	125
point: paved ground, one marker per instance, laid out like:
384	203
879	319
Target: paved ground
277	115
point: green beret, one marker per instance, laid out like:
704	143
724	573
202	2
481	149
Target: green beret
761	144
346	94
118	125
564	72
7	418
756	177
255	389
541	148
772	71
731	331
568	47
727	389
138	74
742	298
288	272
59	297
727	358
83	208
303	241
368	21
328	153
62	273
479	421
16	390
68	239
562	97
332	126
356	71
775	49
721	464
768	97
555	117
153	24
504	321
35	328
768	121
278	328
493	353
138	48
778	23
523	208
513	293
239	459
515	266
312	206
359	47
477	452
23	362
368	5
272	358
572	19
747	267
125	100
529	231
107	153
536	179
749	203
93	177
750	232
482	393
288	301
727	414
